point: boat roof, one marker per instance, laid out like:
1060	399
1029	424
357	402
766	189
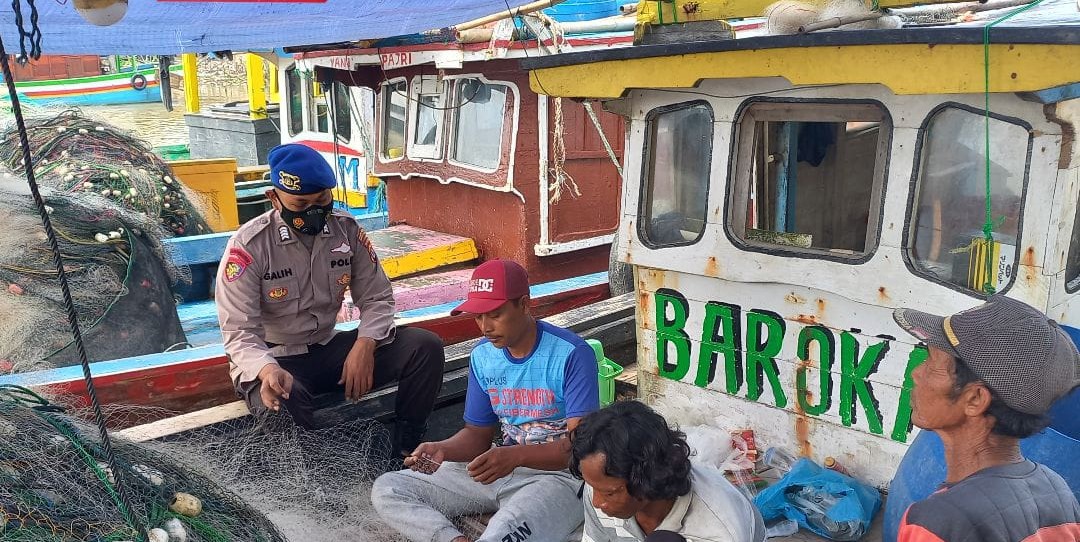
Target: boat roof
1026	55
401	56
448	51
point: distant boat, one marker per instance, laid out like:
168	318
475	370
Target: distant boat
88	80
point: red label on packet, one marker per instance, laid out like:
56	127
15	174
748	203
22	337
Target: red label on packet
751	446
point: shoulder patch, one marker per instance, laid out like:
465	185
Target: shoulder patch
366	243
237	262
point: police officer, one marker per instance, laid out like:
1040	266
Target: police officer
280	286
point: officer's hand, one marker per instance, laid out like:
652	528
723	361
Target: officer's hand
426	458
276	385
493	464
359	370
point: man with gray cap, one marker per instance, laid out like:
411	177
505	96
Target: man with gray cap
992	374
280	286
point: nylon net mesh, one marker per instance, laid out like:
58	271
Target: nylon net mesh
256	481
76	154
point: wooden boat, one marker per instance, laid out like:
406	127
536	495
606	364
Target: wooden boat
784	193
80	80
430	247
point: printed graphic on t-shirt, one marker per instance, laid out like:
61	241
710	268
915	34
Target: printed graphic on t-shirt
533	398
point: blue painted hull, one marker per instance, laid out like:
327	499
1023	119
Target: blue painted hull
112	97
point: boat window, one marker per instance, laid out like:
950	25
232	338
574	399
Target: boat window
429	112
679	157
296	101
394	98
318	110
808	178
1072	265
946	240
478	123
342	111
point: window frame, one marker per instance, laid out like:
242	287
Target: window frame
907	241
299	91
383	110
1074	244
338	88
646	183
435	151
317	95
508	119
738	192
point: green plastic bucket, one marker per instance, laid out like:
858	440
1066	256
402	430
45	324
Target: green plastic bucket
607	370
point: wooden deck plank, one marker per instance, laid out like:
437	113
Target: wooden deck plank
184	422
429	290
407	250
250	173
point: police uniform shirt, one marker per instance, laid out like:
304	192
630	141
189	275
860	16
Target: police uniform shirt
272	289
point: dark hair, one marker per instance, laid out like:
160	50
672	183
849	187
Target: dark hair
638	447
1007	420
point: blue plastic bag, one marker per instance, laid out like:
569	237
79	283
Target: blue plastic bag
826	502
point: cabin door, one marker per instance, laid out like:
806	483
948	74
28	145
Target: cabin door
586	213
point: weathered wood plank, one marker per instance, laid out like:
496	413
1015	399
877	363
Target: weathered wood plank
406	250
426	291
184	422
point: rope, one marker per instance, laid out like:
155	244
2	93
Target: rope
563	180
988	226
331	96
33	36
73	314
603	138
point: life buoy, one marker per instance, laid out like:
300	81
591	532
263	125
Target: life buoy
138	81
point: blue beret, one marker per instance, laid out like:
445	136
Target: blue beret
299	169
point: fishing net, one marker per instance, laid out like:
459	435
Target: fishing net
56	486
313	484
79	155
120	276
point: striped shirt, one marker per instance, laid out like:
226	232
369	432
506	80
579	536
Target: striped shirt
1019	502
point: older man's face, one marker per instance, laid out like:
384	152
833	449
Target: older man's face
933	405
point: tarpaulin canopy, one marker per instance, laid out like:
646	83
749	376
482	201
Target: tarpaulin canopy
155	27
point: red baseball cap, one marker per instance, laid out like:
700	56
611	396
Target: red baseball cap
493	283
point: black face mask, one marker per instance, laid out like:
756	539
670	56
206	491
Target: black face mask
310	221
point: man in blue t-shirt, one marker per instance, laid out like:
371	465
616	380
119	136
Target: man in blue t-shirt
532	380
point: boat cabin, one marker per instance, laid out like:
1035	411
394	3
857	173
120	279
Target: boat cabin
784	193
462	145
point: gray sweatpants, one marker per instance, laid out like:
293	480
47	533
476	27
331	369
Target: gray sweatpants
529	505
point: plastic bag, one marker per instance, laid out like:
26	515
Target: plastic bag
826	502
718	448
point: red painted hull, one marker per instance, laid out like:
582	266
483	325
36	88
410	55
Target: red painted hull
202	383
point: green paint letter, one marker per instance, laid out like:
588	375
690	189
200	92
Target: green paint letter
902	427
670	331
721	335
826	350
855	372
764	339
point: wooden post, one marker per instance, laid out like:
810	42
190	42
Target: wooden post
256	90
191	82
